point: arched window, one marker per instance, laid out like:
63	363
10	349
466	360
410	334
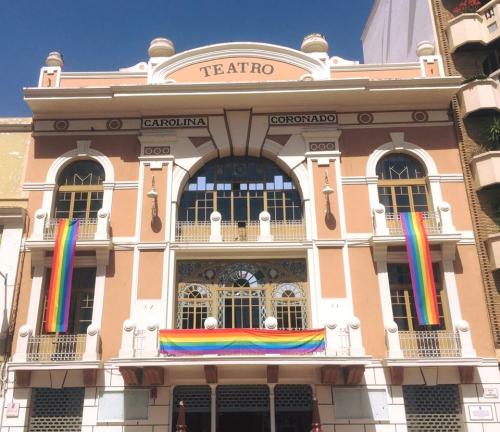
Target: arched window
402	184
240	188
242	298
193	306
79	190
289	306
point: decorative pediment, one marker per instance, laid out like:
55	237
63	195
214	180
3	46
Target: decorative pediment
239	62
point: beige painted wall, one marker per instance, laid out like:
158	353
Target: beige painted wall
332	273
13	152
117	295
366	299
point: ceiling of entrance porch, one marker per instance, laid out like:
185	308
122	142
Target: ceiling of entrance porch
239	62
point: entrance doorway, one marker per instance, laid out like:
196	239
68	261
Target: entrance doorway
243	422
243	408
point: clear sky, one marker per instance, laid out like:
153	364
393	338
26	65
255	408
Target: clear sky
98	35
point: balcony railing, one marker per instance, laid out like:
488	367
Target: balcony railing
45	229
218	230
57	348
410	345
53	348
86	229
341	340
395	226
436	222
425	344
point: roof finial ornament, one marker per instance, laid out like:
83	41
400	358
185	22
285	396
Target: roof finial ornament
314	43
161	47
54	59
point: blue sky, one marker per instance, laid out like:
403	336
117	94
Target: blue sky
109	34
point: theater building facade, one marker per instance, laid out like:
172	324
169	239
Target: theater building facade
255	187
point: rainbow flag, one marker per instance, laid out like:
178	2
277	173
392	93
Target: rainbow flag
59	297
241	341
422	276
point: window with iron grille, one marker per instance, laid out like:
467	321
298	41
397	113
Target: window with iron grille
432	408
56	410
242	294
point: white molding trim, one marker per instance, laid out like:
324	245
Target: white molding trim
315	67
441	178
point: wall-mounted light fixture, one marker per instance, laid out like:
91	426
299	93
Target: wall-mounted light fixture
153	194
327	191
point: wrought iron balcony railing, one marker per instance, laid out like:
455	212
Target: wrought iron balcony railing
225	231
54	348
430	344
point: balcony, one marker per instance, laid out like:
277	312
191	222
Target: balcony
86	230
480	27
486	169
439	345
429	344
342	340
388	225
217	230
93	234
45	351
395	227
53	348
493	246
480	94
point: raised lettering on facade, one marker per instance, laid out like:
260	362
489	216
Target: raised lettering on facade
174	122
302	119
237	67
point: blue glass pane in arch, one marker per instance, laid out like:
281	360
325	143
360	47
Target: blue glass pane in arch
278	182
201	183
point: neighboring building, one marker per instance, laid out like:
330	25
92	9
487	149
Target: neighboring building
248	185
15	137
469	43
395	28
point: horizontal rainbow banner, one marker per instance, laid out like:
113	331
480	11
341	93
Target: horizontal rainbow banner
59	296
422	276
241	341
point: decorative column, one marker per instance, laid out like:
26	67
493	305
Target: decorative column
463	329
91	344
355	340
128	336
39	225
332	340
379	220
22	344
393	342
215	227
151	340
272	407
265	227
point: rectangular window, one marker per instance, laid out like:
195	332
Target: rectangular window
353	403
118	406
82	300
403	302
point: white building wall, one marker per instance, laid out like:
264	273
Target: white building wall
393	30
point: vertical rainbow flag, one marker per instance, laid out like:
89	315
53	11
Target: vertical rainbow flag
422	276
59	297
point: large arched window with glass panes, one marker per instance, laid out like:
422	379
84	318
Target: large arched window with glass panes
402	184
240	188
80	190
